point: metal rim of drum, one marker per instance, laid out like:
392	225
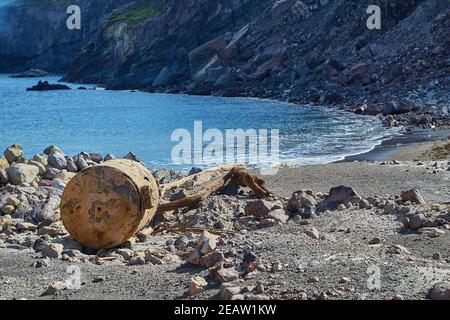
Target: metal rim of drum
104	205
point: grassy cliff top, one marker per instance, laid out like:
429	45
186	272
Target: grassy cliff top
138	14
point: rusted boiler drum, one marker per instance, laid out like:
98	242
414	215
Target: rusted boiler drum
103	206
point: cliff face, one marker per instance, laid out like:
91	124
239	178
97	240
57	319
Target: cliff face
155	50
34	32
305	51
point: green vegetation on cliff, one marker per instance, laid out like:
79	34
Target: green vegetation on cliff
137	14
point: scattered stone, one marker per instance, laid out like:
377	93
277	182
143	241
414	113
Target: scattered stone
417	221
3	163
211	259
227	275
437	256
440	291
20	174
228	290
125	253
48	211
313	233
52	250
431	232
8	209
375	241
56	287
345	280
313	280
57	160
339	195
250	262
4	178
52	231
207	242
259	208
136	260
397	249
41	263
196	285
98	279
278	215
412	195
13	153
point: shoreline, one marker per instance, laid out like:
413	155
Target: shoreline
394	148
407	146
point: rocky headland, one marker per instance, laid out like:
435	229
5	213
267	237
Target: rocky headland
306	52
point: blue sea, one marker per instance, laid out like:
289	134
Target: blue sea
121	121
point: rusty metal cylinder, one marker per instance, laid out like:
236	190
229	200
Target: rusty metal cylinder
104	205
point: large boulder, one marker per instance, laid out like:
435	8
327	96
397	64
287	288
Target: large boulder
48	211
57	160
232	48
302	203
13	153
21	173
339	195
167	76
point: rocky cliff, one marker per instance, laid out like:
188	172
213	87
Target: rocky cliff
33	33
305	51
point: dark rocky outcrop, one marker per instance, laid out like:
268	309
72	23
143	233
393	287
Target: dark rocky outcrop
32	73
45	86
33	34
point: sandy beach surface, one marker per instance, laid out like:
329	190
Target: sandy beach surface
352	259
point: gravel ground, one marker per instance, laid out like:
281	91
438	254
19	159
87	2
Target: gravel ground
342	251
